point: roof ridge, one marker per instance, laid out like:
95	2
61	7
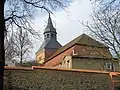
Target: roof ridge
79	37
77	40
83	36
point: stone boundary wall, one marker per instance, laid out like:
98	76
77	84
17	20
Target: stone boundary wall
35	78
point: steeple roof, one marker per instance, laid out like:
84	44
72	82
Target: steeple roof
50	42
49	27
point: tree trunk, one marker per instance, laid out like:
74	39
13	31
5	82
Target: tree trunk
2	28
21	57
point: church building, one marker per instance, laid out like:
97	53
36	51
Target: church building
82	52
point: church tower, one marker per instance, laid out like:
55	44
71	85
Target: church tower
50	43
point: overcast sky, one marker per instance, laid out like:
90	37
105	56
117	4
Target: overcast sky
66	23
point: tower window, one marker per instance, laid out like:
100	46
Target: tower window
52	35
47	35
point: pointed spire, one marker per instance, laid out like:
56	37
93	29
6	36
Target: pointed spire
49	27
49	21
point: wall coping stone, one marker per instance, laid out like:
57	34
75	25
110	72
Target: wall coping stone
62	69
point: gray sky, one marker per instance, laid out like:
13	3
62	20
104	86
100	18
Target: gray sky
66	23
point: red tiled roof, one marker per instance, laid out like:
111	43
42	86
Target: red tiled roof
81	40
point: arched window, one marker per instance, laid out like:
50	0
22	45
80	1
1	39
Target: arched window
68	64
68	61
47	35
52	35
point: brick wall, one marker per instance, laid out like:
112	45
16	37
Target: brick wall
55	79
49	52
58	59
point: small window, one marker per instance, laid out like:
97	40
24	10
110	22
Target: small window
109	66
68	61
47	35
52	35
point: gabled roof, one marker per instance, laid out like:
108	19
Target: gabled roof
87	40
81	40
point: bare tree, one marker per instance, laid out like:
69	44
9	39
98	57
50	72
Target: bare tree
9	49
105	4
17	46
106	26
22	44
